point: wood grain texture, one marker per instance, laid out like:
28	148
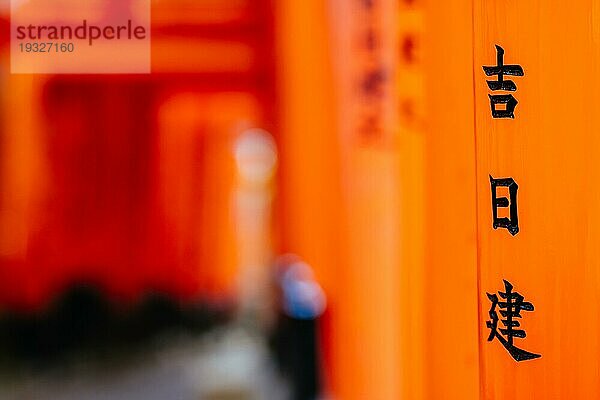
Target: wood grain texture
550	149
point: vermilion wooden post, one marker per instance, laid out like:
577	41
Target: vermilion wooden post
450	296
370	305
309	169
411	111
24	171
340	176
550	149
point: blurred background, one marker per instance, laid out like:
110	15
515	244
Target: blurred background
282	209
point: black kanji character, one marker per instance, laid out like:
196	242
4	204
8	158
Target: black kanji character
510	310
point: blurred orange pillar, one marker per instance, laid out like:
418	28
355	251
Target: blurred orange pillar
340	192
368	337
450	314
309	171
309	151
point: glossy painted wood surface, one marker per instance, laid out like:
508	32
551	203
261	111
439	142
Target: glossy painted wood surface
551	150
